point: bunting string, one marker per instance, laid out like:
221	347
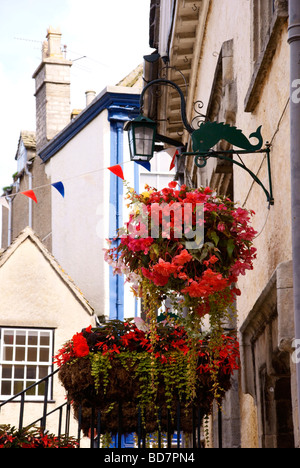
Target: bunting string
117	170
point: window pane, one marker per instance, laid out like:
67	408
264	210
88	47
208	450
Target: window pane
41	389
9	337
33	338
20	354
20	337
44	354
6	372
31	372
18	386
45	339
6	387
19	372
7	353
43	372
32	354
30	392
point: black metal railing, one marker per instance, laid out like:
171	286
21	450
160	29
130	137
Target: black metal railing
163	438
21	397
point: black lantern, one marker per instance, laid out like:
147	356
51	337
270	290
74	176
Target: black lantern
141	135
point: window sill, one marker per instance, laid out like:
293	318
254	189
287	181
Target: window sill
27	400
263	63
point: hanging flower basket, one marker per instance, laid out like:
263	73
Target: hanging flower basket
116	367
189	245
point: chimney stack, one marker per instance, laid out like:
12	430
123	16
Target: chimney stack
52	89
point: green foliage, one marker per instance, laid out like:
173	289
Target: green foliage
100	367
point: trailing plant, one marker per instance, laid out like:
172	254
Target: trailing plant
120	366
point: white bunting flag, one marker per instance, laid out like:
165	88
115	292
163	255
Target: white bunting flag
4	202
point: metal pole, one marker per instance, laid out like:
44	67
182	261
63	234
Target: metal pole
294	42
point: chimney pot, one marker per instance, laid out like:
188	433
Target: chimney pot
90	96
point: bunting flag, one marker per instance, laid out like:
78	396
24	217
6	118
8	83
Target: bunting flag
60	188
30	194
173	154
117	170
4	203
145	164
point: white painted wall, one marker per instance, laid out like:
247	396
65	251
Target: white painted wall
34	294
80	220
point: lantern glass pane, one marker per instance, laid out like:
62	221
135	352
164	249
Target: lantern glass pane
144	141
131	141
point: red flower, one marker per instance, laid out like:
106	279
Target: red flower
213	259
164	268
209	283
156	278
80	346
182	258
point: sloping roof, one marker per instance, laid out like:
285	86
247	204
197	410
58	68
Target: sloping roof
134	79
29	141
28	233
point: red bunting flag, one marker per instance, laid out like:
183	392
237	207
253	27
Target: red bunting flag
173	160
117	170
30	194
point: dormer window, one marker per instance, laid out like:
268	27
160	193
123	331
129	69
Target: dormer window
26	150
21	157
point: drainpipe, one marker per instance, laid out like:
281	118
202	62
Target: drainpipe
294	42
9	226
28	173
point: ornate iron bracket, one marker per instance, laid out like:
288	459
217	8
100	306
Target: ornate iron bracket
202	157
208	134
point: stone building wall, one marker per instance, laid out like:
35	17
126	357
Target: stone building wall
239	69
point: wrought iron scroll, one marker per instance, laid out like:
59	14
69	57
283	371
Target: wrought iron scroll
201	159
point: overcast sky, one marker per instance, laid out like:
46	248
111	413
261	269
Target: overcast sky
113	35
